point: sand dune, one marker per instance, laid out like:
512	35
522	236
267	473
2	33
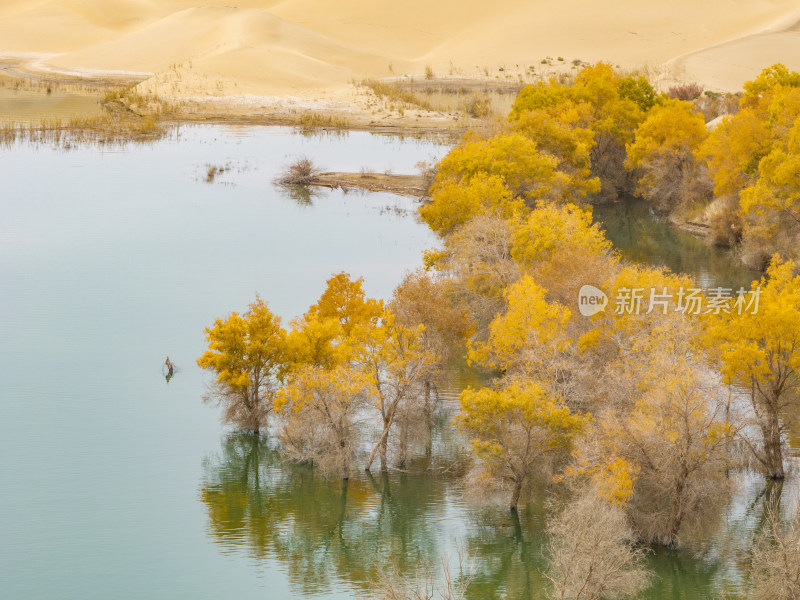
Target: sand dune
196	47
726	65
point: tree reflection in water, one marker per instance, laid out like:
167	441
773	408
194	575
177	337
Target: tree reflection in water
333	537
326	532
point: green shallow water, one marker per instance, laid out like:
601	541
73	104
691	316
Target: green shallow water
644	237
115	484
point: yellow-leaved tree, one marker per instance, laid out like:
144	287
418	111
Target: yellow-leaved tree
321	409
344	300
316	341
760	355
664	152
454	202
529	340
397	363
346	357
516	159
771	206
749	159
247	354
733	149
600	102
517	431
551	228
560	132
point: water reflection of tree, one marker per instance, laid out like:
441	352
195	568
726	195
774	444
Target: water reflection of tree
510	548
325	531
303	195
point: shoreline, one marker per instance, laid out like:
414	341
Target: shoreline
354	108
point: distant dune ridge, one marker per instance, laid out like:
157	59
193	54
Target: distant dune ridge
300	47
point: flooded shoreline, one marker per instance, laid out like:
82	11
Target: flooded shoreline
99	286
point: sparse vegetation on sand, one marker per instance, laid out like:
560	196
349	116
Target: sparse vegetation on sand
392	92
476	98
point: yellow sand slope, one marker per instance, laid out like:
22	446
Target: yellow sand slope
727	65
296	47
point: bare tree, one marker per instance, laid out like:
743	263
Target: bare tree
592	553
422	299
446	586
775	564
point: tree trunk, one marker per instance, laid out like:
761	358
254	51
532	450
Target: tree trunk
773	444
380	447
345	464
515	495
670	537
429	421
402	451
384	447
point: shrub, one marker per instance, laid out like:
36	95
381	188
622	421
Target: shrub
685	91
726	224
300	172
477	106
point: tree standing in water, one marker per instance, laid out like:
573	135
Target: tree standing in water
760	354
246	352
515	431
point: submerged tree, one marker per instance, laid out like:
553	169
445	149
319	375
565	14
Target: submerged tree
760	355
664	151
397	364
346	357
677	441
592	551
246	352
321	408
516	432
775	562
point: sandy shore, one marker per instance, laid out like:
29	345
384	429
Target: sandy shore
313	48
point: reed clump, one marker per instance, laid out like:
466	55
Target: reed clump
128	116
314	121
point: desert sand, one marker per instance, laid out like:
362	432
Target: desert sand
310	48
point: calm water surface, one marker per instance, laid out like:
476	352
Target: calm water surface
642	236
115	484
